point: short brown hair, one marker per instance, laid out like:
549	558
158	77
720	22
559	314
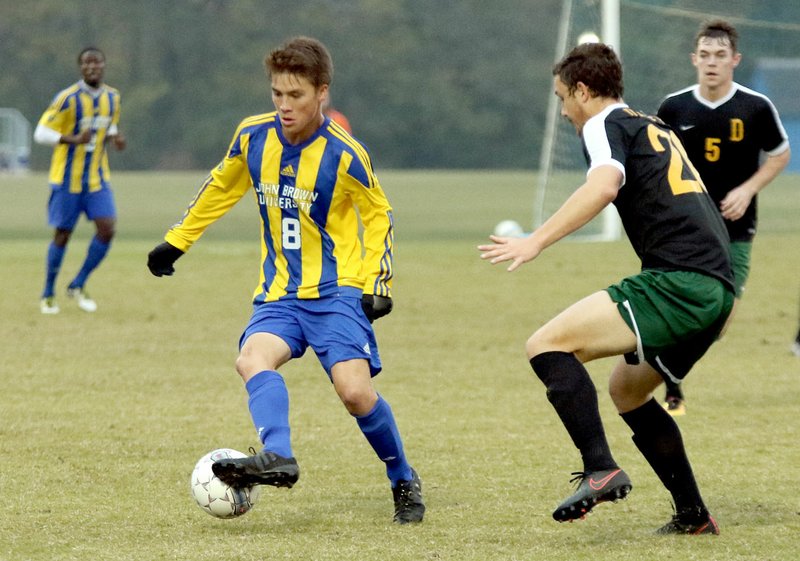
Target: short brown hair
303	56
718	29
594	64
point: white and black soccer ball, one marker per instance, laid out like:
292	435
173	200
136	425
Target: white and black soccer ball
215	497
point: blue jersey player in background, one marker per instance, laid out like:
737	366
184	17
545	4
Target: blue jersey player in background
321	284
79	122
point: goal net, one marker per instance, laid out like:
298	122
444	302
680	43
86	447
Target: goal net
15	141
655	43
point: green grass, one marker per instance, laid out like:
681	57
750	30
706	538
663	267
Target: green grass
103	416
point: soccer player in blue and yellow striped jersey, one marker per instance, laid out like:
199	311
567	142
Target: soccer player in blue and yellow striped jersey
79	122
321	283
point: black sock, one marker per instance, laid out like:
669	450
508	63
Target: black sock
573	395
658	438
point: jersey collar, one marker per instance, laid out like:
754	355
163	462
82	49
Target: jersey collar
720	101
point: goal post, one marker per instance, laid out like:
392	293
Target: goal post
15	141
561	166
654	39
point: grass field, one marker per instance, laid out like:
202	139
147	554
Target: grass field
103	416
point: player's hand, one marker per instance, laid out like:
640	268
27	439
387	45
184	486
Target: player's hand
160	261
119	141
375	306
516	250
735	203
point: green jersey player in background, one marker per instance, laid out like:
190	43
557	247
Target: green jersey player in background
735	140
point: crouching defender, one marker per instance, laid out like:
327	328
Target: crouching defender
311	182
660	321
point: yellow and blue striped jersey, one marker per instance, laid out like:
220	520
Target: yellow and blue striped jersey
80	167
309	197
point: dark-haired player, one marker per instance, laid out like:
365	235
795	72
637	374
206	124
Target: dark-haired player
79	122
659	321
735	140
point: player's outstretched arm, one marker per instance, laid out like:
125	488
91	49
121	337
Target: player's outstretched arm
585	203
161	259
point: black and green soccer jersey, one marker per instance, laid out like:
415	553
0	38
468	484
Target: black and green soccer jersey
725	139
667	214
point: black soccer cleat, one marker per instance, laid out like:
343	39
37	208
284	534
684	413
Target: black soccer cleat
408	505
593	488
263	468
680	525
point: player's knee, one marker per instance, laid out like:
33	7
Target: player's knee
538	343
617	392
248	365
106	233
61	237
358	400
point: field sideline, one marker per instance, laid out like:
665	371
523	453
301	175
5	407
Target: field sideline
103	416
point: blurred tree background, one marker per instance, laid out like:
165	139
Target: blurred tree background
425	83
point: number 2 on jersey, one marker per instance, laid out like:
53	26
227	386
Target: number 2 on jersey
661	141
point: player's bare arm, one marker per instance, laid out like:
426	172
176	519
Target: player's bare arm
735	203
585	203
82	137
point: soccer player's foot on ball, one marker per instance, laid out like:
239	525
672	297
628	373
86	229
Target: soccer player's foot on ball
675	406
691	523
593	488
263	468
408	505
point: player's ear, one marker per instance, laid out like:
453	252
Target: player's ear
322	94
583	92
737	58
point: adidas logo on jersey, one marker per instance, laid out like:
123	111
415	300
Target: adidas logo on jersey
288	171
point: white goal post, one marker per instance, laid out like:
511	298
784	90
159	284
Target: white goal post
606	227
654	40
15	141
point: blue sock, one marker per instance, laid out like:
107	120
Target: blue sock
381	431
55	256
97	251
269	408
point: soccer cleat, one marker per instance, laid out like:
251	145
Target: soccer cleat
675	406
263	468
408	505
48	305
85	303
676	526
593	488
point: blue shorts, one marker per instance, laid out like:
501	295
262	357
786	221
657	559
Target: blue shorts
65	208
335	328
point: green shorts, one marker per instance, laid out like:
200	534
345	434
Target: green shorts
676	316
740	261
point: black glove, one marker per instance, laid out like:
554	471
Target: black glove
375	306
161	259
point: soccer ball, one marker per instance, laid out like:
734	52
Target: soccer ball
508	229
214	496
